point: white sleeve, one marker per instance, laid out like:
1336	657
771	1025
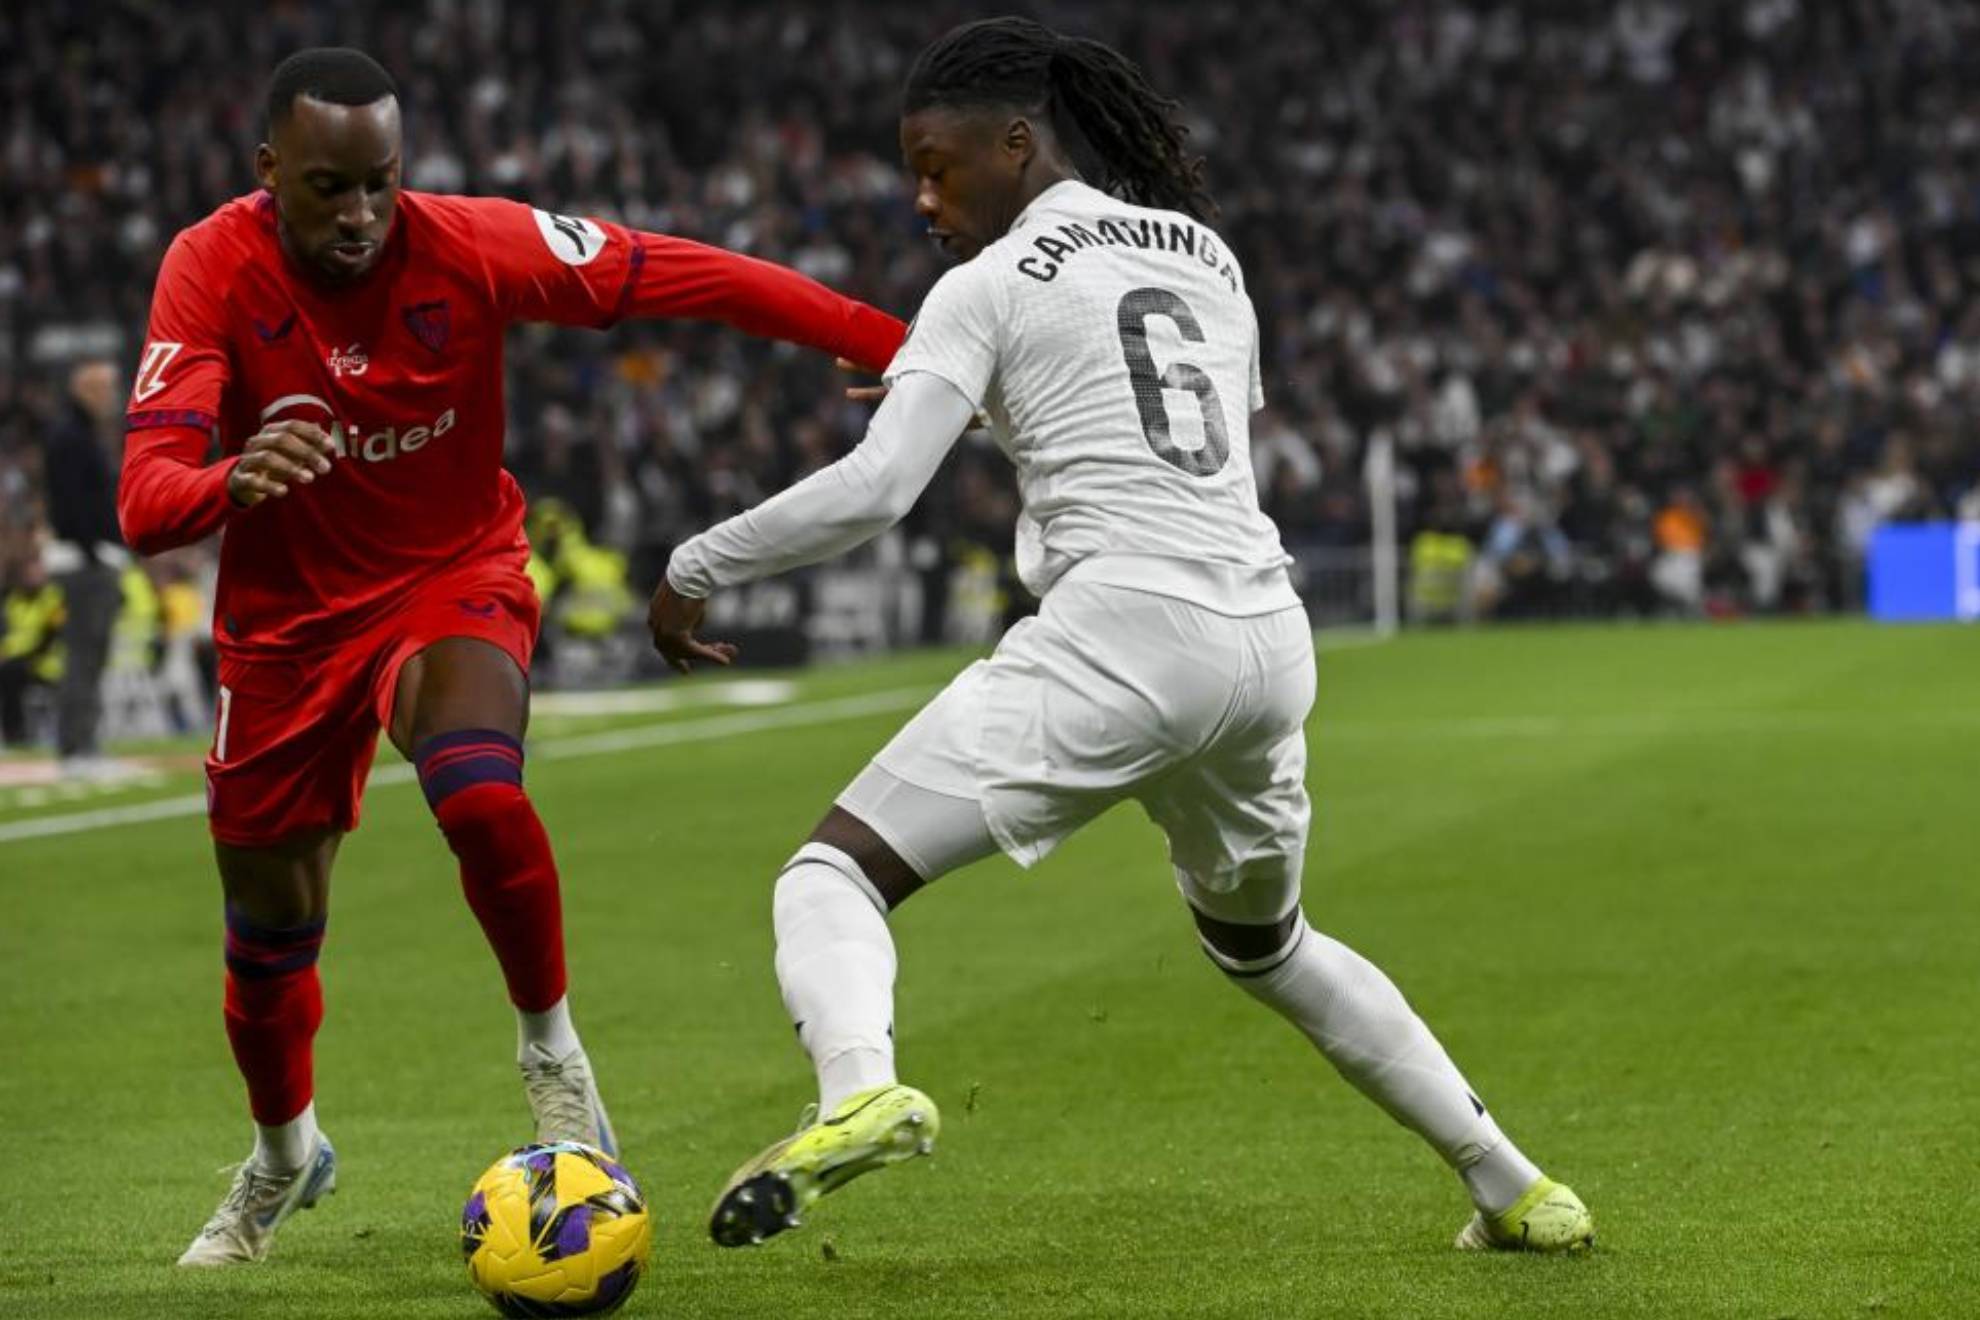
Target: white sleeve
837	507
955	334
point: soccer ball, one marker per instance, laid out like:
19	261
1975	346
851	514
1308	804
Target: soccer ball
556	1228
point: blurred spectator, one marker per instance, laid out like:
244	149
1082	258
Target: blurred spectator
1574	257
86	555
1439	566
186	665
1523	568
30	643
1683	534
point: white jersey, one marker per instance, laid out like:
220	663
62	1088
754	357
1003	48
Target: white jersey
1115	353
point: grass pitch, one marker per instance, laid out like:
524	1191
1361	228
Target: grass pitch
1696	909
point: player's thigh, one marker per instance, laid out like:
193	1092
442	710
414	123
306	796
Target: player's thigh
457	683
292	746
994	739
458	655
1236	820
926	833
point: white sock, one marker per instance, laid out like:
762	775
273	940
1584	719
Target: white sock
1500	1177
835	964
1367	1030
284	1147
549	1032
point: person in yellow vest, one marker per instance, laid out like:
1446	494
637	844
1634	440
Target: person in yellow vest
31	618
136	632
596	598
1439	563
588	596
184	622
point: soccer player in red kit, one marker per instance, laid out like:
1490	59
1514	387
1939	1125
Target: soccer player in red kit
344	340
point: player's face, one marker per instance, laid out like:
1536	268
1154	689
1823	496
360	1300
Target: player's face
968	169
334	171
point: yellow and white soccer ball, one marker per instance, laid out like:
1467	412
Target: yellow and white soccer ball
556	1229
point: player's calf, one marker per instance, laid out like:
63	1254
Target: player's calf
1361	1024
473	782
274	1005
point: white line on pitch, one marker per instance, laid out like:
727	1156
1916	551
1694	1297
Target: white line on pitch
551	749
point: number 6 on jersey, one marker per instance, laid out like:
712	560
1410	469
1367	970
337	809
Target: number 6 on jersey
1136	306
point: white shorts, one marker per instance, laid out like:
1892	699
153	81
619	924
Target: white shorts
1111	694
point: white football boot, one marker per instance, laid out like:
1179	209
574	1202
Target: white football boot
243	1228
563	1096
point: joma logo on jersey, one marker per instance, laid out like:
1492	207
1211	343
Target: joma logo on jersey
353	441
352	361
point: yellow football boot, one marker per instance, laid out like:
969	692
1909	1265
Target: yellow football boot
868	1131
1549	1217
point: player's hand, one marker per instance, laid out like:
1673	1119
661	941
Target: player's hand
673	618
875	393
861	393
278	457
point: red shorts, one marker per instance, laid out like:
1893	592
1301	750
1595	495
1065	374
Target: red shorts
294	736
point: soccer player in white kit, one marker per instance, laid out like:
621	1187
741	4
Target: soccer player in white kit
1105	333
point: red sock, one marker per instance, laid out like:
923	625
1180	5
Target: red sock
274	1006
473	780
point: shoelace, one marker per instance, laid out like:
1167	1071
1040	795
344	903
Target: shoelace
238	1197
567	1106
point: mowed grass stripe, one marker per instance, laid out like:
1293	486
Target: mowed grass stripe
1720	981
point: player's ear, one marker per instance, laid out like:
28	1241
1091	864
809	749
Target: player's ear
264	166
1020	142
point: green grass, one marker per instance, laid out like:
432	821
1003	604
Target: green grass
1697	910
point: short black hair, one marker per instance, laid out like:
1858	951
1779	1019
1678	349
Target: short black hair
1135	133
340	75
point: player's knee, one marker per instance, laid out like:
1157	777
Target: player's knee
279	885
817	871
1247	916
452	765
261	953
880	870
1243	948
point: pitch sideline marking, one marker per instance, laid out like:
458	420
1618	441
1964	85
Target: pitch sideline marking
553	749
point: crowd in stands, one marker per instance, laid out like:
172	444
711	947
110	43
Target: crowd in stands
1662	307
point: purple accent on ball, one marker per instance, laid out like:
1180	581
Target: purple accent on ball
541	1161
574	1234
476	1209
616	1171
614	1286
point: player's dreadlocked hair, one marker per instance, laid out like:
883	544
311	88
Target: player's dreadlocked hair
337	74
1133	133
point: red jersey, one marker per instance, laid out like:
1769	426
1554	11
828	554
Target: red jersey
404	369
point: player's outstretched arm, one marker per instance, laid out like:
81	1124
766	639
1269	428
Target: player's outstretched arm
542	266
826	514
683	278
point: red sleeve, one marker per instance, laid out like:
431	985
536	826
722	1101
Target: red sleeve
167	496
574	271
